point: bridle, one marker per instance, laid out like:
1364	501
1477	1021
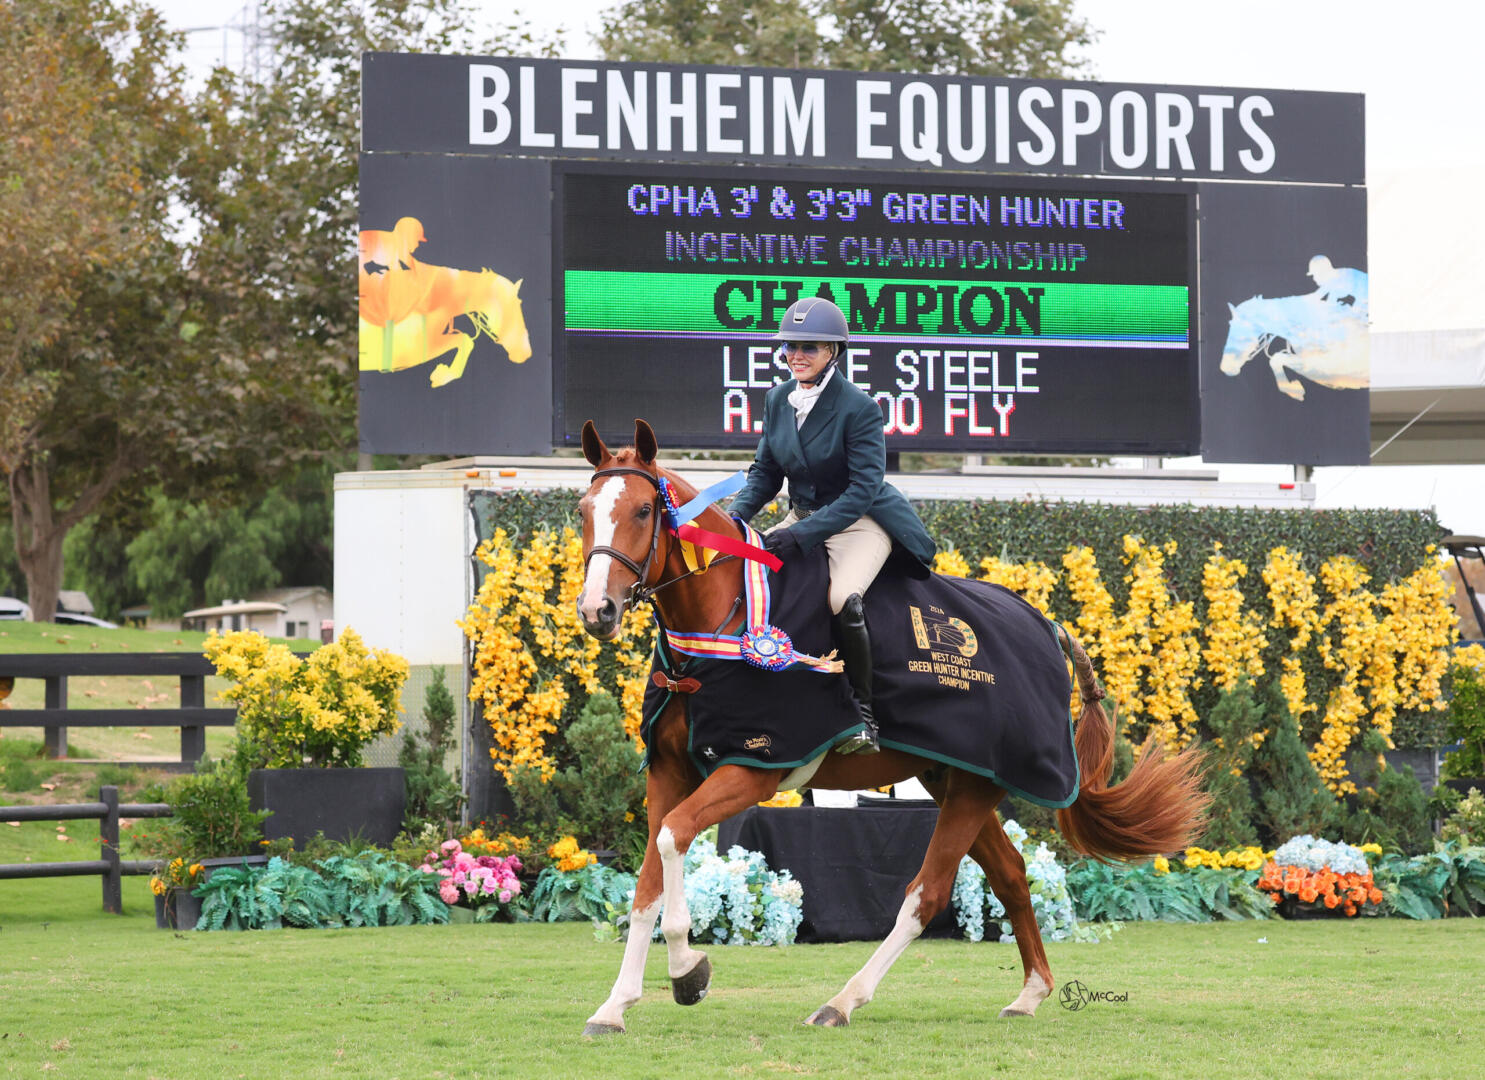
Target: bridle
638	592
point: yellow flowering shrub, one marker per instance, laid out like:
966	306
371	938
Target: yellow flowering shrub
1243	858
534	664
568	855
319	710
1234	634
1348	658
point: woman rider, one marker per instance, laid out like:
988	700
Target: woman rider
825	435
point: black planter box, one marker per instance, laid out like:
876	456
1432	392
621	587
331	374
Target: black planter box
177	910
341	803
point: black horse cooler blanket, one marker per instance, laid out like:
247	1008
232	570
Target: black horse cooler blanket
965	672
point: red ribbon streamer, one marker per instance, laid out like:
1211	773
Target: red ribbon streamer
728	546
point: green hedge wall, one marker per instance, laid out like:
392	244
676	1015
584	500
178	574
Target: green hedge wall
1390	544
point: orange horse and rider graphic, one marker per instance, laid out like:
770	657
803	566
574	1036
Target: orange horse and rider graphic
408	307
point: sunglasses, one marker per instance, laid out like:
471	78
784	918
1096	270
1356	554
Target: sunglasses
808	348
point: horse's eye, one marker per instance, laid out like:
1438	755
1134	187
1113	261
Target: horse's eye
644	512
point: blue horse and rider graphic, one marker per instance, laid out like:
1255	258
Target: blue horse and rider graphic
1321	335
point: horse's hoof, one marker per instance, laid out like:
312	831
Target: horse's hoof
593	1029
827	1016
1011	1010
692	986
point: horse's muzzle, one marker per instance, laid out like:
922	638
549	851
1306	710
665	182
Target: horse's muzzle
602	621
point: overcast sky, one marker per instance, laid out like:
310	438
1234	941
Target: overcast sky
1418	66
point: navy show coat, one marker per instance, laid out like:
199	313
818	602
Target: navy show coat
836	464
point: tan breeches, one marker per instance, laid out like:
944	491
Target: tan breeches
856	555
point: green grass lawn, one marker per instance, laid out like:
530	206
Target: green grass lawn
84	995
159	692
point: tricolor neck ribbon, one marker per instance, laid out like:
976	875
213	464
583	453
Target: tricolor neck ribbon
680	524
759	644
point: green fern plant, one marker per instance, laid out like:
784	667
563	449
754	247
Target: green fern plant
590	893
371	889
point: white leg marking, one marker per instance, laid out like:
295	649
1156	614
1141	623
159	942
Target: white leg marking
863	984
1032	994
595	585
676	922
630	984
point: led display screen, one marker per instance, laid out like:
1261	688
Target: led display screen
989	315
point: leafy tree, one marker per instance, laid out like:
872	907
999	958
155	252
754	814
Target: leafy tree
1389	807
92	126
1232	722
138	353
198	553
1292	799
592	798
432	794
1029	38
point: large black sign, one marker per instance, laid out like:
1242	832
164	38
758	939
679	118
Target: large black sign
1021	316
1027	265
836	119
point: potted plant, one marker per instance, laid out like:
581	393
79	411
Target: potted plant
176	908
306	722
211	825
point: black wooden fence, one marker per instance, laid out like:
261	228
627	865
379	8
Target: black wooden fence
54	668
106	810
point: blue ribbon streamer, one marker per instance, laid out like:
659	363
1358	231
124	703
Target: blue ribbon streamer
730	485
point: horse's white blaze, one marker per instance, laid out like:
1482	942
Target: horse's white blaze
676	922
863	984
605	520
629	986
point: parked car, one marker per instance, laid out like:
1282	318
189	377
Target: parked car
11	608
74	619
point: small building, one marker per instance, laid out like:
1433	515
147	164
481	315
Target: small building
306	607
293	612
266	618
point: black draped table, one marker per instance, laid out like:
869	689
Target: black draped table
854	864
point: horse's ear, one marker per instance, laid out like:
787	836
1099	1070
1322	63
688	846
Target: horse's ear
518	285
644	442
1230	309
593	448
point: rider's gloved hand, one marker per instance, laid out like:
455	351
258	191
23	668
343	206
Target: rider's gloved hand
783	543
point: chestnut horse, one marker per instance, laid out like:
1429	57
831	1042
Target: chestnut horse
631	556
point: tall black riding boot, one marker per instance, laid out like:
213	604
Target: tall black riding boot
855	643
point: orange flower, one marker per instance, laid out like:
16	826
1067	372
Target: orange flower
1308	894
1350	909
1375	895
1332	900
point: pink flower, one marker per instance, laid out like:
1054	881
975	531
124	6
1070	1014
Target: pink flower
504	896
450	846
459	877
464	861
487	886
471	887
513	864
449	893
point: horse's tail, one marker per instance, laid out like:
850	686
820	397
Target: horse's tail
1158	808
